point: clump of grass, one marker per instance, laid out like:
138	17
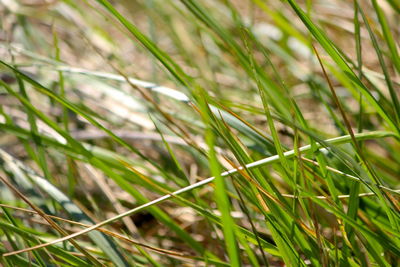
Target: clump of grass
221	133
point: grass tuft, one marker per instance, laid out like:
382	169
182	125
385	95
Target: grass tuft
114	113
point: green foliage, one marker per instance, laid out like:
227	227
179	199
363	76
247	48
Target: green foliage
114	113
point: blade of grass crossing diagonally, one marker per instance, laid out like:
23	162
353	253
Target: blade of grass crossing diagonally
109	158
54	225
275	223
40	153
107	245
26	235
256	164
71	107
372	237
285	244
379	53
236	123
103	242
287	174
335	55
274	95
164	58
243	235
263	143
77	110
298	117
267	111
174	68
118	178
324	41
370	171
269	206
387	34
14	222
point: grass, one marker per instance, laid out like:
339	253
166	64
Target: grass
199	133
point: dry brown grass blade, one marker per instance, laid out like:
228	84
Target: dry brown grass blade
351	177
168	196
270	196
185	135
100	180
49	220
107	232
360	153
343	114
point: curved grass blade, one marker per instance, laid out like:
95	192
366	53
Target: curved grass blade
324	41
26	174
256	164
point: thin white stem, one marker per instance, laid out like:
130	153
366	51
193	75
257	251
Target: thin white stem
262	162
